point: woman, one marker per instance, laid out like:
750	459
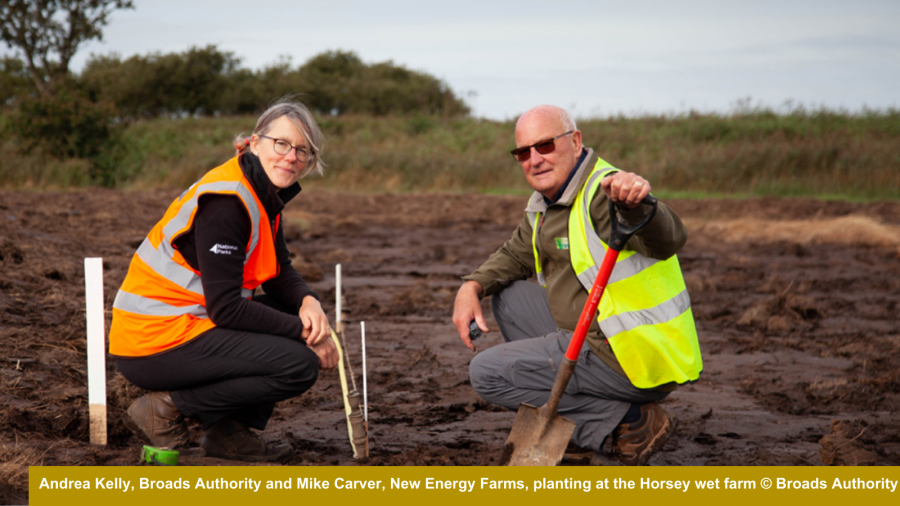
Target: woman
184	323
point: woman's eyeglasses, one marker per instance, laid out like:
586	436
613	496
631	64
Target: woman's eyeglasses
283	148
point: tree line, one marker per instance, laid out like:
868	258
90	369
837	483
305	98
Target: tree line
67	114
209	81
204	81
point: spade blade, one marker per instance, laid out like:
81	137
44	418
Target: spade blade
538	437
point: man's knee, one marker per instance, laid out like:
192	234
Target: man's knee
522	311
484	371
500	306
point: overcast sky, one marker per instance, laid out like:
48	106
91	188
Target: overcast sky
594	58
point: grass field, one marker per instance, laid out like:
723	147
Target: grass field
811	153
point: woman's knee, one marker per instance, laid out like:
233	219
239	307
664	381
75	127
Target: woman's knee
301	370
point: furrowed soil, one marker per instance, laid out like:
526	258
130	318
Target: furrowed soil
796	303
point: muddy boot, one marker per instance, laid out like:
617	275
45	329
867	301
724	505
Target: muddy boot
576	455
229	439
634	443
155	418
580	456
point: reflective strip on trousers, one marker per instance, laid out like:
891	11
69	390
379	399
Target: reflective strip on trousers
661	313
145	306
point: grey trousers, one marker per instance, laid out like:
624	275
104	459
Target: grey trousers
523	369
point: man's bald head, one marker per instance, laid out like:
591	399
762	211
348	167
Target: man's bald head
549	110
548	172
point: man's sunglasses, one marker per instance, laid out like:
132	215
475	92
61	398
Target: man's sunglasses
544	147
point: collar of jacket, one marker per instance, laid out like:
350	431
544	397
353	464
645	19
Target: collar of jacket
537	204
271	197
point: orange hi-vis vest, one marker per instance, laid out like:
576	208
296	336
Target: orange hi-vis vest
161	304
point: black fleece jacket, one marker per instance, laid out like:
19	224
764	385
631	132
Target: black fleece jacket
223	221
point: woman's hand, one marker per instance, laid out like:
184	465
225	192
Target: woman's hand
327	353
315	323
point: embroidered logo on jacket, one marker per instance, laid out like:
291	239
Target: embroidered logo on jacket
562	242
223	249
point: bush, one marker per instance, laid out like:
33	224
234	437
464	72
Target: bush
192	82
338	82
13	80
67	125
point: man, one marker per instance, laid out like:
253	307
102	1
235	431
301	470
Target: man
644	343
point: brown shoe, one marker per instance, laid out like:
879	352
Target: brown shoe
634	443
155	418
230	439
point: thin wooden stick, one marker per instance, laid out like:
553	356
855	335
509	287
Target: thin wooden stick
347	360
338	325
362	327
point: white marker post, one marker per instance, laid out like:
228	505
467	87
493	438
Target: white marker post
362	327
96	348
337	299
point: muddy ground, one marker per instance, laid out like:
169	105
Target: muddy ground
796	302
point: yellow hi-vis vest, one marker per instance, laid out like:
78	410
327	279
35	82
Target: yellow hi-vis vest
645	312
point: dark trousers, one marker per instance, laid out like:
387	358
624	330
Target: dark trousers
228	373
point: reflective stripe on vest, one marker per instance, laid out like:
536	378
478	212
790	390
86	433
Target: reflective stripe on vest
645	311
161	302
152	307
161	259
185	215
539	272
534	219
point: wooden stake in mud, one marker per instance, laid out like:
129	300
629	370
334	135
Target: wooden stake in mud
96	348
362	328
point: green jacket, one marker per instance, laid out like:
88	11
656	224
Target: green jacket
663	237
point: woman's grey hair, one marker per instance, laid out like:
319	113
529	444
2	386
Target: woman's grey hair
303	119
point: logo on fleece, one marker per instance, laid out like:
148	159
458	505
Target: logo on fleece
223	249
